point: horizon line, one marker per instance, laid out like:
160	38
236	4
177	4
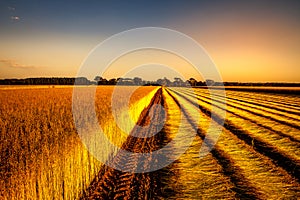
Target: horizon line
61	77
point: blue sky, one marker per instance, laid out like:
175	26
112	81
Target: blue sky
245	38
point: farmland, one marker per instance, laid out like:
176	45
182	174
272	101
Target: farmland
257	154
42	156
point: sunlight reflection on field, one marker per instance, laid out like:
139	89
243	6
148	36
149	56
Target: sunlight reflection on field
40	143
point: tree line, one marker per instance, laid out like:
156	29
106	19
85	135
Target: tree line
98	80
47	81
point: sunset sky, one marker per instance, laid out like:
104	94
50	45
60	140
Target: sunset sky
249	41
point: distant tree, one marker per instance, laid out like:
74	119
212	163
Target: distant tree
200	83
104	81
82	81
167	82
160	81
137	81
112	81
178	82
192	82
209	82
120	81
127	81
98	78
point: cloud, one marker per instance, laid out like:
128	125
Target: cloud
15	18
11	8
13	64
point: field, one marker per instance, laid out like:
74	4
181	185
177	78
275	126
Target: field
42	156
256	156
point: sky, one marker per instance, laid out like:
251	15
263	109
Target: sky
249	41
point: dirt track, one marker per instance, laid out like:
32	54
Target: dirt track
114	184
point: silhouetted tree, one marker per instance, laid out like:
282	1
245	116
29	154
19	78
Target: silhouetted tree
200	83
112	81
100	80
209	82
137	81
192	82
178	82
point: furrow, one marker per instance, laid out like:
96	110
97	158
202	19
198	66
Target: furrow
275	127
114	184
267	115
285	161
276	100
193	177
242	186
289	113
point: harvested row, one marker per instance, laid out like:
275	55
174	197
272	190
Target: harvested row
283	101
283	152
267	101
289	113
247	168
193	177
273	115
261	120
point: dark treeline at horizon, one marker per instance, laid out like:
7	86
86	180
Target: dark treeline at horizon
177	82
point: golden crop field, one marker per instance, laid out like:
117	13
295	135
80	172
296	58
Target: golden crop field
258	150
256	156
41	155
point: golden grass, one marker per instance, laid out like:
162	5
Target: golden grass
42	156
